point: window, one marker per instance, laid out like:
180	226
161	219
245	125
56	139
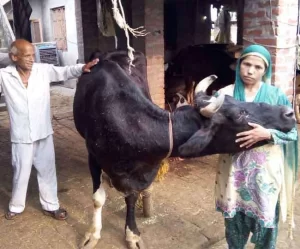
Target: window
59	27
6	33
36	33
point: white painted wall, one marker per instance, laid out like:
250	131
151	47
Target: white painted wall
36	9
2	2
42	10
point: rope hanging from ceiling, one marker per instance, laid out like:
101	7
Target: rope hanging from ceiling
119	16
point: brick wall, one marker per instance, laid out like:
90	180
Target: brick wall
273	23
150	13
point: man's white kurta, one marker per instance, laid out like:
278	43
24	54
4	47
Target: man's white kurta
29	108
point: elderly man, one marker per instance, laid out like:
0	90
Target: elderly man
26	86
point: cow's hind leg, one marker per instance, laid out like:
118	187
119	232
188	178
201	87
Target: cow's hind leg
94	233
133	236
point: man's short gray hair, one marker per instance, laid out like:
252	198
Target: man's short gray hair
13	50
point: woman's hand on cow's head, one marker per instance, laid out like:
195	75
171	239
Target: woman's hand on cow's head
249	138
87	67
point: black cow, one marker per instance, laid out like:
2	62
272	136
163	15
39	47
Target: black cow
194	63
127	136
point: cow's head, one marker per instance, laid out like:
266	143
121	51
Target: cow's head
225	117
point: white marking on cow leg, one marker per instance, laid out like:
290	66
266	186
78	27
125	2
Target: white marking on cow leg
134	241
99	200
94	234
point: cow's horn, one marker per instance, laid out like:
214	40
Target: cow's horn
205	83
213	107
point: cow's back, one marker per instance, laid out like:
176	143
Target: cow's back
137	72
110	108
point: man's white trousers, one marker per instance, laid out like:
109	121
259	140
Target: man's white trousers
40	154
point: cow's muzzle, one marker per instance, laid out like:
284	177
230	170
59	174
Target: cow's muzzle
289	113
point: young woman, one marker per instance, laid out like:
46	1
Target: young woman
252	186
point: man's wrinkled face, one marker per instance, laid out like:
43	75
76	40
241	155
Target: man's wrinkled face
252	69
24	57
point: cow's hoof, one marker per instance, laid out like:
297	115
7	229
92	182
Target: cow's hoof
136	245
89	241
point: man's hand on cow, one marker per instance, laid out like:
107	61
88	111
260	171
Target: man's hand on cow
249	138
87	67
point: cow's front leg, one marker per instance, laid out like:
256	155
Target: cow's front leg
94	233
132	234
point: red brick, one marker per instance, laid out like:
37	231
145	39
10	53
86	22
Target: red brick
277	11
266	4
254	32
251	15
247	23
268	23
266	41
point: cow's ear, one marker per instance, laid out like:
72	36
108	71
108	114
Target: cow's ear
196	143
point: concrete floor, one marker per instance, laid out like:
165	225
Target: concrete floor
184	215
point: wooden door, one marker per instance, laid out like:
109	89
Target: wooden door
59	27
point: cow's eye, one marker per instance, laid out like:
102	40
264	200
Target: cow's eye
243	112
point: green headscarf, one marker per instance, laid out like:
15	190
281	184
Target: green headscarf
263	53
272	95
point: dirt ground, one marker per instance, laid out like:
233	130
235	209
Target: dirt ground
184	215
